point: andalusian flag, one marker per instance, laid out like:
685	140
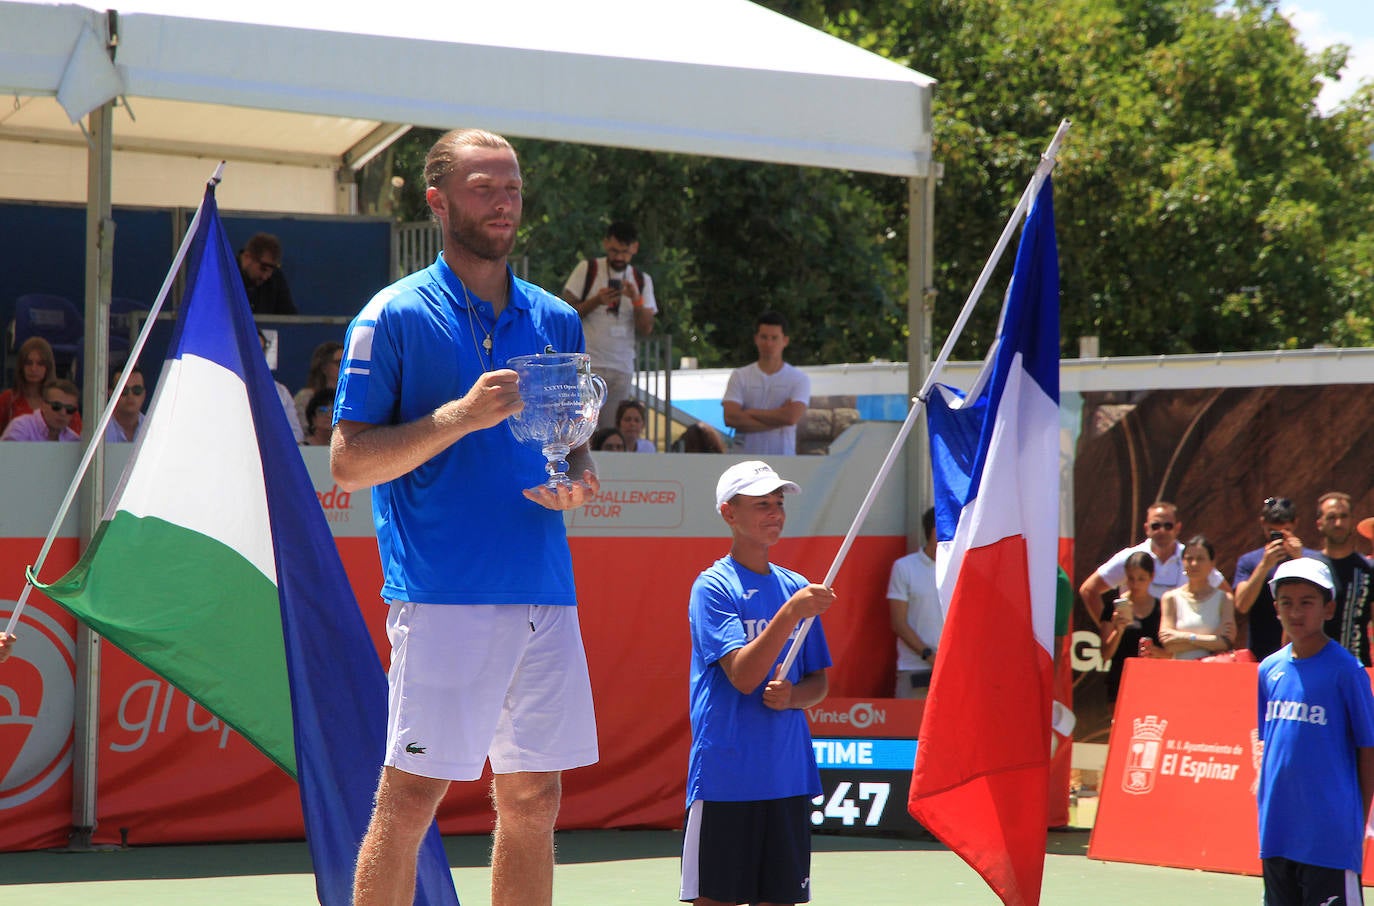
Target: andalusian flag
214	567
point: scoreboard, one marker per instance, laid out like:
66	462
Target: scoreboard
865	749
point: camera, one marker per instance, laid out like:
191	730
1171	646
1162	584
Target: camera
1276	536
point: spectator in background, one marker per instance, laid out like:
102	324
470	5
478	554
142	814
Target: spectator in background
1354	578
1130	624
764	401
128	412
599	288
1255	568
1163	525
609	440
293	418
702	438
323	375
53	419
914	612
263	281
630	417
319	419
1196	618
35	369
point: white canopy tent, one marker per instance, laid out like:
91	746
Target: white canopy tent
297	96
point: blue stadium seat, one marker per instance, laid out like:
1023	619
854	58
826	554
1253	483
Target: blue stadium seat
121	319
55	319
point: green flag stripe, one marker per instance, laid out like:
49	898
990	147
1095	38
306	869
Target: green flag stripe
195	612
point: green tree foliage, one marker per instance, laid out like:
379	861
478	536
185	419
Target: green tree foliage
1203	202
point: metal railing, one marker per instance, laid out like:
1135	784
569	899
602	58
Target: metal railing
653	386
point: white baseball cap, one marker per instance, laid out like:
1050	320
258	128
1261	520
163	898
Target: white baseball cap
754	478
1306	569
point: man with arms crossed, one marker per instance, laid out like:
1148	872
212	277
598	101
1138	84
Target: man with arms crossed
764	401
486	657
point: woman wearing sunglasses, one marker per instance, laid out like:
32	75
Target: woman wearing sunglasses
35	370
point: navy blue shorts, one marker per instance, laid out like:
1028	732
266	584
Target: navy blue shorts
748	852
1289	883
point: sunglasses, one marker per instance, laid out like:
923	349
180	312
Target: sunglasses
58	407
1156	526
134	391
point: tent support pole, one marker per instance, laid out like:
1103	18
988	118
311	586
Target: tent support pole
95	366
920	315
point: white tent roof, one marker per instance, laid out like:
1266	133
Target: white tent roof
291	92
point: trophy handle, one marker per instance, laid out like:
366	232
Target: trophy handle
600	386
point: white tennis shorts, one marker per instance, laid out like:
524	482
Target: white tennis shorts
476	681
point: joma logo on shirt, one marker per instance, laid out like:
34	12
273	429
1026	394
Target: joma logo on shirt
1302	712
752	628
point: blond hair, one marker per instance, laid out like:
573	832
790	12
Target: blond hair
440	160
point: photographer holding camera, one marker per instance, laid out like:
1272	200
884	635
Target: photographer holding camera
1278	517
617	306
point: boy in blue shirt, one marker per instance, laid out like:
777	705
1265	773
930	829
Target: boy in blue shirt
1316	717
753	770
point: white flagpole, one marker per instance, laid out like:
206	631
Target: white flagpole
98	435
1042	171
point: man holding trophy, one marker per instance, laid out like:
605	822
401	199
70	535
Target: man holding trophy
486	659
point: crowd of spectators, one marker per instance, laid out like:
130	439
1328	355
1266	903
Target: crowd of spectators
1165	597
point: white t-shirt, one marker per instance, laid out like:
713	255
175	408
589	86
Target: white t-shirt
753	389
1168	574
913	581
288	406
610	337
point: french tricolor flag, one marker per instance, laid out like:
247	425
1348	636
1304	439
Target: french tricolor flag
981	778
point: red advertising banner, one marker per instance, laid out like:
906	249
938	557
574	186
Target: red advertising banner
169	772
1182	768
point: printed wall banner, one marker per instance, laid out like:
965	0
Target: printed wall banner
1217	453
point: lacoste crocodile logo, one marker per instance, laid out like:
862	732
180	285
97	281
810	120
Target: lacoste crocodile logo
413	749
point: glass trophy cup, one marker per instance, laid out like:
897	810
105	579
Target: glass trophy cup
562	403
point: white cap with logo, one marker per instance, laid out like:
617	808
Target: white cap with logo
1306	569
753	478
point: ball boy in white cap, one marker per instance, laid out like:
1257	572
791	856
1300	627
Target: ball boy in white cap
1316	717
752	772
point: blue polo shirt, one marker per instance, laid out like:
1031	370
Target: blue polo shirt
742	750
457	530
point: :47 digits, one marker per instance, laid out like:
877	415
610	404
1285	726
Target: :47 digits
847	810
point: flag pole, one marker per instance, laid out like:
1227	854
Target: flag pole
1042	171
97	436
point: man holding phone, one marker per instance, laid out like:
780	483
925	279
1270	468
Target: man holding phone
1278	518
617	305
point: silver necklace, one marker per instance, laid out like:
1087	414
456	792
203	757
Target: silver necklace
472	325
